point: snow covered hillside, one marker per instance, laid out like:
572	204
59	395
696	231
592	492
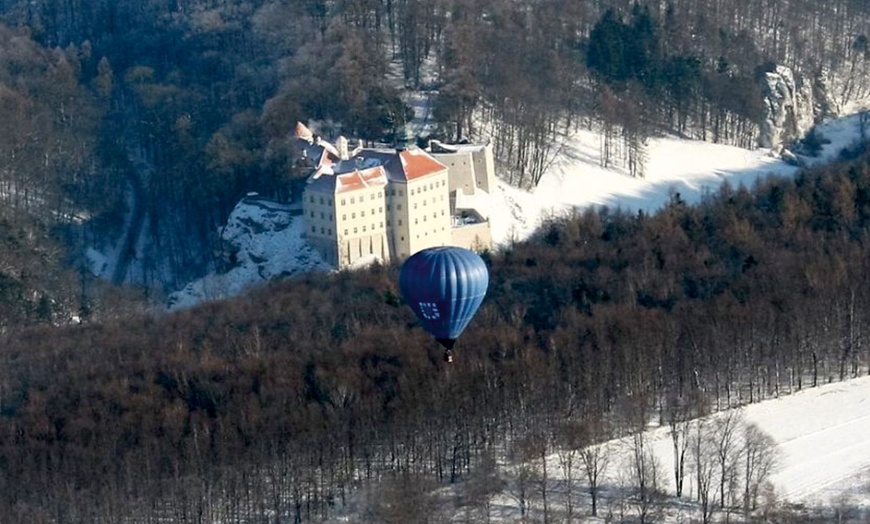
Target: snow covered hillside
822	468
262	240
269	241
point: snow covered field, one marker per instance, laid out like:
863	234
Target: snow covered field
822	435
822	445
822	440
823	469
689	167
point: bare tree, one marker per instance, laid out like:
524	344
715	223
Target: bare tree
595	458
727	450
759	458
483	482
679	421
406	498
646	474
570	440
704	466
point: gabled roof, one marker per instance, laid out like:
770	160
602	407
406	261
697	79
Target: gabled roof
347	182
398	166
418	163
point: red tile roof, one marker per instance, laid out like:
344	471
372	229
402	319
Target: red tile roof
374	176
417	163
327	182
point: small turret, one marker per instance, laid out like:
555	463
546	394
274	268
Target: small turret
341	146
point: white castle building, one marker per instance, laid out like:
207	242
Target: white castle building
389	204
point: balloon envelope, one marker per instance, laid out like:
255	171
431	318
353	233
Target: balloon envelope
444	286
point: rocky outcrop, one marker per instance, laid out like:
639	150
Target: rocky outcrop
788	108
263	240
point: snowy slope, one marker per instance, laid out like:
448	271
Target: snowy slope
820	437
688	167
277	247
262	240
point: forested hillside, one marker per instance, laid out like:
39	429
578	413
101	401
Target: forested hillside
135	126
280	404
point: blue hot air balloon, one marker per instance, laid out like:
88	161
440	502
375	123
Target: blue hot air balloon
444	286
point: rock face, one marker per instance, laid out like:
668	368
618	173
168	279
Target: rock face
788	108
263	240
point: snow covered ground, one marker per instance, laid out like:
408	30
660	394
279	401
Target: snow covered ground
822	437
823	469
689	167
574	181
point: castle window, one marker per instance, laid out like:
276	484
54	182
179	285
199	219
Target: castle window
380	209
353	200
415	205
362	213
312	214
313	229
330	216
424	218
382	225
345	231
401	193
392	192
373	210
329	232
322	216
321	201
355	230
343	201
430	186
416	221
344	217
329	201
312	199
398	207
364	229
373	227
353	215
400	223
322	231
